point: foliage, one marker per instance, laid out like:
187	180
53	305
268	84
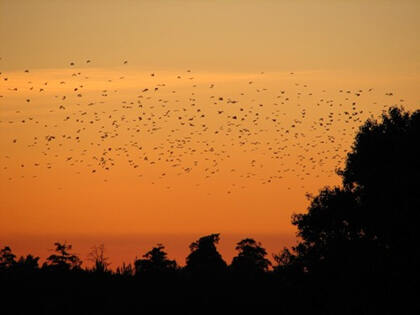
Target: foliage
125	270
204	257
7	258
251	258
28	263
97	257
155	262
63	260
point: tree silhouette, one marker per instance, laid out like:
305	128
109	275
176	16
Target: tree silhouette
363	234
383	171
332	221
379	200
251	258
287	263
63	260
28	263
204	257
7	258
125	270
155	262
97	257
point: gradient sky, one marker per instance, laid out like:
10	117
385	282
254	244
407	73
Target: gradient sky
309	49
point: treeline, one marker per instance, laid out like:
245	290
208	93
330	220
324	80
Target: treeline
154	283
204	259
358	253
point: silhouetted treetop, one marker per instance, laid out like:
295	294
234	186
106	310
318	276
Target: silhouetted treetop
384	168
332	214
98	258
284	260
251	258
63	260
7	258
385	151
204	257
155	261
28	263
333	220
125	270
376	212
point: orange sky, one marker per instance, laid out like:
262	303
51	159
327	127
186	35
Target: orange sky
247	110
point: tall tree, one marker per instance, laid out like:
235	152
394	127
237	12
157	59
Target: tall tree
63	259
379	201
28	263
204	257
7	258
251	258
98	258
383	170
155	262
364	233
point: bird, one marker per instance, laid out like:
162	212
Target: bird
296	131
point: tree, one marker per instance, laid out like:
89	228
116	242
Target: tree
155	262
97	257
7	259
251	258
204	257
63	260
332	221
28	263
125	270
284	258
383	171
364	233
379	201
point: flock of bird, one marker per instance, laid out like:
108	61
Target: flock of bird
241	130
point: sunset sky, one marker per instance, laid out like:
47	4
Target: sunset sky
132	123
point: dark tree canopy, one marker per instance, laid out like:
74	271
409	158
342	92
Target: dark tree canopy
98	258
204	257
332	221
28	263
125	270
383	170
7	258
63	259
386	153
251	258
155	262
25	264
371	221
